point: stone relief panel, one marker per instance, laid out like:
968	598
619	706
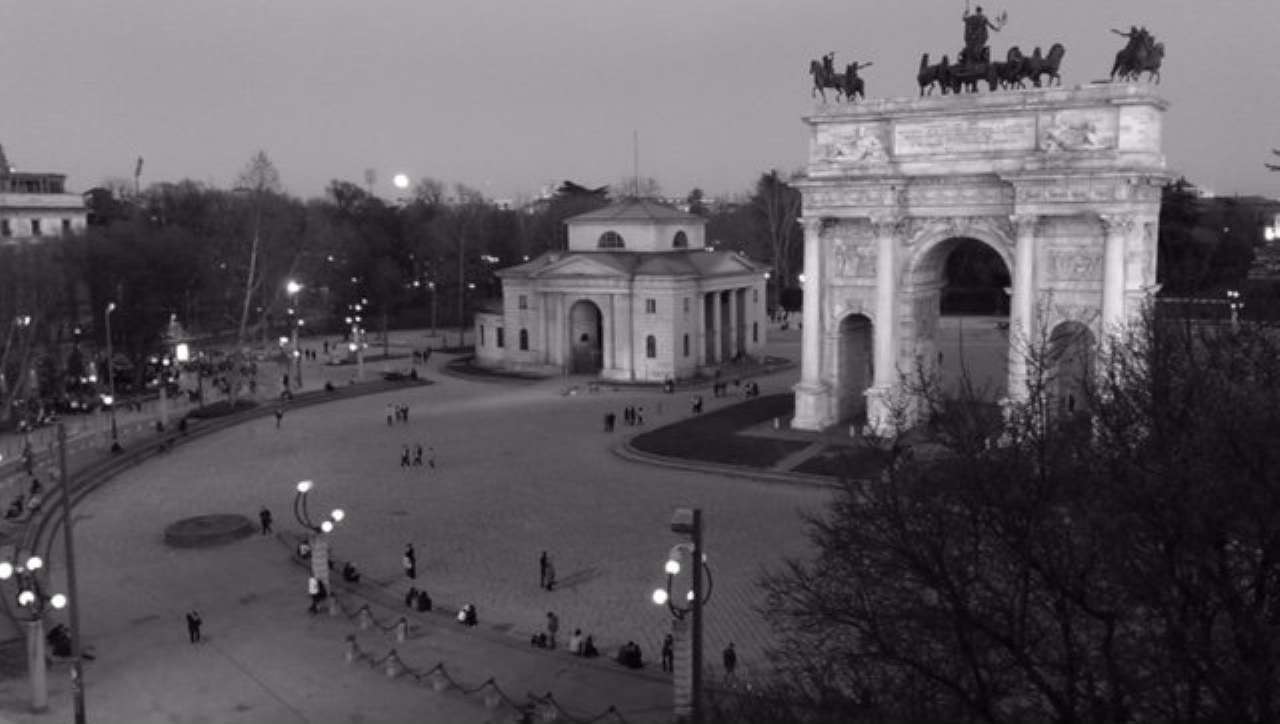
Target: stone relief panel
855	259
857	196
1075	265
1078	130
959	194
964	135
862	144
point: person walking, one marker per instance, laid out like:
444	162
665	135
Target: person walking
553	627
404	457
431	458
668	653
193	626
410	562
264	518
279	416
730	657
417	456
390	414
551	574
542	570
314	590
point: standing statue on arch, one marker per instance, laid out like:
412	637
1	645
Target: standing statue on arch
976	25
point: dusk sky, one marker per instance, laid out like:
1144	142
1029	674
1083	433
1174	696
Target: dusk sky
511	96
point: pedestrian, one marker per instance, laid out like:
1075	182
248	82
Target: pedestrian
410	562
627	414
390	413
639	415
417	456
404	456
193	626
730	661
326	346
284	381
608	422
279	416
542	570
668	653
406	413
431	458
314	590
553	626
551	574
264	517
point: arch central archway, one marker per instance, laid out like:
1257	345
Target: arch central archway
971	341
586	350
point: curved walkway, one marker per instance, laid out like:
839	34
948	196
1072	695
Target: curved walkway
519	470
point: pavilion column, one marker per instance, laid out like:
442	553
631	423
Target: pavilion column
717	349
606	335
812	396
700	340
1022	306
1116	229
879	410
732	297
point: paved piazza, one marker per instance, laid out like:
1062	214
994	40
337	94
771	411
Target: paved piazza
521	467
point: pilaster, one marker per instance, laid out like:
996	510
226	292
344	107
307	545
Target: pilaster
813	397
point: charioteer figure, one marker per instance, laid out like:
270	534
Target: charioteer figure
976	25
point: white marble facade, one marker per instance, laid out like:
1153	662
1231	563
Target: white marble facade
1064	184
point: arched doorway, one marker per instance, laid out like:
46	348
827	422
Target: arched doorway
855	368
970	338
585	346
1072	350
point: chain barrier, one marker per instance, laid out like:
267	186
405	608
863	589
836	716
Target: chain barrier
545	707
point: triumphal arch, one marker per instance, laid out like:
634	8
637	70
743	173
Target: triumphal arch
1063	183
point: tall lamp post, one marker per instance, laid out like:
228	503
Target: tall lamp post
318	534
1234	303
111	380
686	623
292	288
32	597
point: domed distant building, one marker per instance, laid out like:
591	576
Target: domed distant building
638	296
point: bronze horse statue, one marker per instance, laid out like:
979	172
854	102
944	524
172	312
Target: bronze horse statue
934	75
1037	66
823	80
1130	65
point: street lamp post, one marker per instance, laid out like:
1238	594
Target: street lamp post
318	535
77	663
687	674
292	288
111	380
1234	303
32	597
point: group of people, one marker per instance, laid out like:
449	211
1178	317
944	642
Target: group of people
397	413
406	460
423	356
417	599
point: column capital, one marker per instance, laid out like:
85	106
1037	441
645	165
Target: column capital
1025	224
886	223
1118	224
812	225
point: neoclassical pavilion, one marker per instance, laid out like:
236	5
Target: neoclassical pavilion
1064	184
638	296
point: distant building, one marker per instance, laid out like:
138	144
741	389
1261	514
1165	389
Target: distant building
33	205
638	296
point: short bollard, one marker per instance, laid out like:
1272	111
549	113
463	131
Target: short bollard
393	665
351	648
402	630
366	618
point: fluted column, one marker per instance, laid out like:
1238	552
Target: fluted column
812	396
1116	229
1022	307
885	229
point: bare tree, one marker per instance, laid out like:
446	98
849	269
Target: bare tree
778	205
